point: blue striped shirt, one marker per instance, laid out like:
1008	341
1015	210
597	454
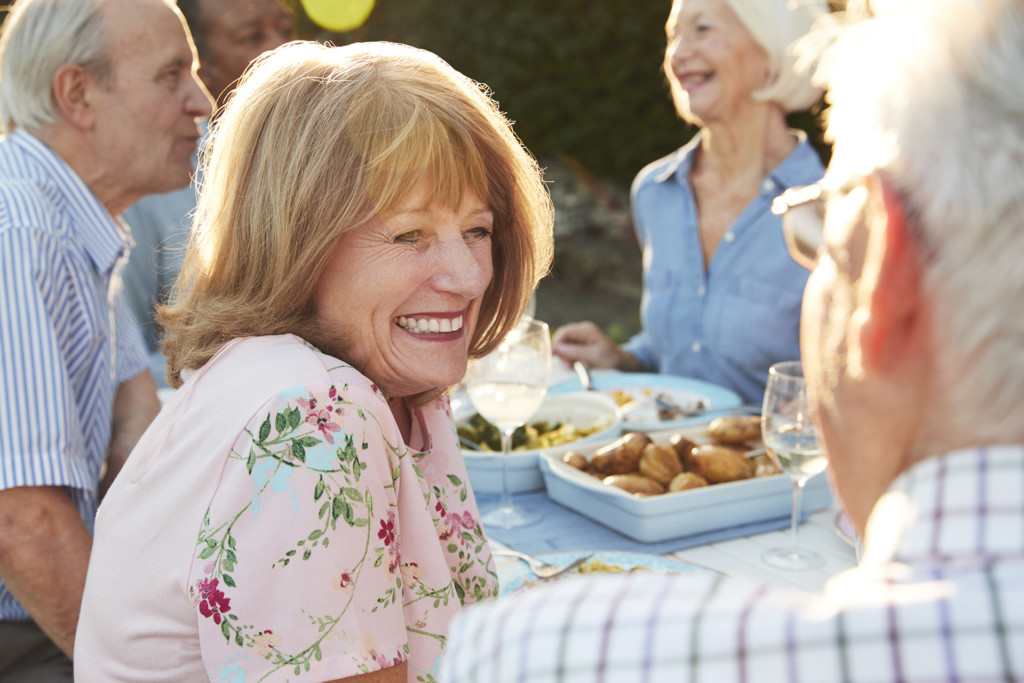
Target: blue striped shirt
67	336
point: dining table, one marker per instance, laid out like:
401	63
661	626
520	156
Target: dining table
736	556
736	552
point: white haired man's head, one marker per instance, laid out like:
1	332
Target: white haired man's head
927	94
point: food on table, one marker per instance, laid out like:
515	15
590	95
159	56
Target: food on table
685	481
666	405
594	566
540	434
660	463
638	465
735	428
577	460
720	464
764	466
620	456
634	482
599	565
683	447
622	398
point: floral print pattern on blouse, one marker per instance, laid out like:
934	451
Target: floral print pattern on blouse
331	549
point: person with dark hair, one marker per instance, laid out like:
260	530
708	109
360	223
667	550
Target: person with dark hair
98	104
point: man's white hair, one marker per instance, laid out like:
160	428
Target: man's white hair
39	36
928	93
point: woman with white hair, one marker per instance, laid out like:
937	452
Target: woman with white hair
721	297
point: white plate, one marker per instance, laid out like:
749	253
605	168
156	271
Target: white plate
659	518
582	409
682	390
514	574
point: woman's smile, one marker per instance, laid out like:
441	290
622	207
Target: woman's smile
432	323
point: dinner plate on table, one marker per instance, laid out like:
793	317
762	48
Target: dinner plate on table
514	574
682	391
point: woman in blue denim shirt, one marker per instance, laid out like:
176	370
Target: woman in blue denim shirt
721	297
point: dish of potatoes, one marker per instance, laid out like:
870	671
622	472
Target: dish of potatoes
636	464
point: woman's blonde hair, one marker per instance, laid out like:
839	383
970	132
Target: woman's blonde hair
318	140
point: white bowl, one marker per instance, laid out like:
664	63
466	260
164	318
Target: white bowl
653	519
582	409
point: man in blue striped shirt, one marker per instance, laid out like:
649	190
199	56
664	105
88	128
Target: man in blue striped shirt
98	104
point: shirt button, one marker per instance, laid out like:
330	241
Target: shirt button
695	346
768	185
729	236
701	291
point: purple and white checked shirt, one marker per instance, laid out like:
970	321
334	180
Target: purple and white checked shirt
939	596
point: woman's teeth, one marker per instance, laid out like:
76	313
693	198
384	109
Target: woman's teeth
424	325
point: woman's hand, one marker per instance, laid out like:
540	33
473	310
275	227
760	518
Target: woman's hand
586	342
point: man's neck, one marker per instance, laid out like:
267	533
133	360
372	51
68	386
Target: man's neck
77	153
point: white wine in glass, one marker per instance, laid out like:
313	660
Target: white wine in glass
507	387
794	444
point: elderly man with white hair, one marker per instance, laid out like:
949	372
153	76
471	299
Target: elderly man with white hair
98	107
913	346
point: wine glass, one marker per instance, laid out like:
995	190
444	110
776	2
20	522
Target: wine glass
796	447
507	387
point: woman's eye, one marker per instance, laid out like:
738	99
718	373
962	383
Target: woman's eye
411	237
478	234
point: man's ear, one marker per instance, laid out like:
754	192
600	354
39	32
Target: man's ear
892	327
72	86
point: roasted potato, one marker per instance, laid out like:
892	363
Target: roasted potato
764	466
683	447
620	456
635	483
659	463
735	428
686	480
720	464
576	459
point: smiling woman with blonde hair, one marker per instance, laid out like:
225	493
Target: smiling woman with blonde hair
367	224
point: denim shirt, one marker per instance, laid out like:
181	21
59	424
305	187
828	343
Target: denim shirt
727	324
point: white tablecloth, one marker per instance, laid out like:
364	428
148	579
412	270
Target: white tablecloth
741	557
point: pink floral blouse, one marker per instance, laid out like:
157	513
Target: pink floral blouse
316	545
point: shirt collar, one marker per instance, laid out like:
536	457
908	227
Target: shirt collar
961	506
801	167
100	235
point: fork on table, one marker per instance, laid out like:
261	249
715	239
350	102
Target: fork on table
543	569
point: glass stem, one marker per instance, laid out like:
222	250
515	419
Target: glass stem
798	494
506	449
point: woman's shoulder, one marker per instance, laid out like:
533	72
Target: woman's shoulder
667	166
265	366
803	166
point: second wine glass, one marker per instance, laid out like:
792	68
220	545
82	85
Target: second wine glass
793	442
507	387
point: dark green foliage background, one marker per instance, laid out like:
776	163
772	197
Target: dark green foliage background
580	79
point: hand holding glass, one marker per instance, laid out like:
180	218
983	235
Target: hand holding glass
794	444
507	387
